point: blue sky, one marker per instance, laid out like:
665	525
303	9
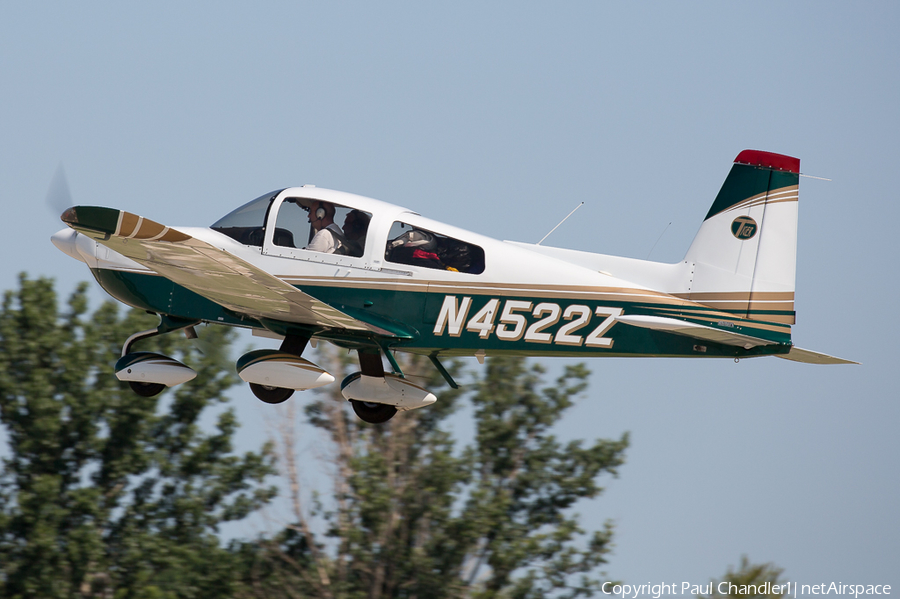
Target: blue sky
500	118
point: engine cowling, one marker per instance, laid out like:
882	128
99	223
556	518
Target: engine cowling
274	368
389	389
149	367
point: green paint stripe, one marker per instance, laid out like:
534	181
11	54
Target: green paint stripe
95	218
746	181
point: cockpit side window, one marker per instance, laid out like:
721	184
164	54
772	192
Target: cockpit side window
292	226
321	226
247	224
420	247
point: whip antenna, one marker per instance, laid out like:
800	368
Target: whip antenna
657	239
560	222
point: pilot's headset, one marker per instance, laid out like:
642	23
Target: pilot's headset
320	212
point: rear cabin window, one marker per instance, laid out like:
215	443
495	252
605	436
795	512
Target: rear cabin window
419	247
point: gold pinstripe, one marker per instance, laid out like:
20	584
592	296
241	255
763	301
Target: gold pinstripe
649	299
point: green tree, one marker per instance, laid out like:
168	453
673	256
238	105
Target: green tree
105	493
414	517
750	580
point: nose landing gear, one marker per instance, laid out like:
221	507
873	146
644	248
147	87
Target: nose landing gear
148	373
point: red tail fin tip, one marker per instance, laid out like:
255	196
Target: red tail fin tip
778	162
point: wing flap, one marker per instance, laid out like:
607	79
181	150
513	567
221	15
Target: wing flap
207	270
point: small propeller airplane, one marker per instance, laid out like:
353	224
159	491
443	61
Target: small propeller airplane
392	280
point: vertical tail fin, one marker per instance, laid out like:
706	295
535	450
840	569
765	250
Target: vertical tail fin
744	256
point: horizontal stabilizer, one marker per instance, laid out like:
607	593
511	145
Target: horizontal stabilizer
810	357
692	329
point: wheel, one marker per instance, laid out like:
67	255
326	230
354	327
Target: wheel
146	389
373	413
271	394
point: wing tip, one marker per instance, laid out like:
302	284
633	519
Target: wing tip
119	223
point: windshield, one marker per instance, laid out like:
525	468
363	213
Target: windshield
251	214
247	223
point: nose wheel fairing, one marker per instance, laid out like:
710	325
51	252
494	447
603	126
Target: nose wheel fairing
152	368
149	373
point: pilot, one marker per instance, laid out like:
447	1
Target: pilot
356	224
328	235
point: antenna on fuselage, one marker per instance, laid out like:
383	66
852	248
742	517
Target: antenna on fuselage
560	222
658	238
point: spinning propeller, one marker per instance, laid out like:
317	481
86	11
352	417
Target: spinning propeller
59	197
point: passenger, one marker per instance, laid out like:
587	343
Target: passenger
416	247
328	235
356	225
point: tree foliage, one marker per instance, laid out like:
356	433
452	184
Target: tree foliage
413	516
107	494
749	580
102	492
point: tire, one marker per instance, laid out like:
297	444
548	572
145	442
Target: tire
146	389
373	413
271	395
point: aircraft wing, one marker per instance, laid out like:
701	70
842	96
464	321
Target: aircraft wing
209	271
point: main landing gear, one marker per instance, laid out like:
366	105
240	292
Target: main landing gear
146	389
274	375
373	413
376	396
272	395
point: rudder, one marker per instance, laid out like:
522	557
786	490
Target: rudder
744	255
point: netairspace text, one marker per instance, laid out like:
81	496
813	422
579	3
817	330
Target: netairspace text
788	589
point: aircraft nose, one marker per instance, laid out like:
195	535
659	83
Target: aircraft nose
65	240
